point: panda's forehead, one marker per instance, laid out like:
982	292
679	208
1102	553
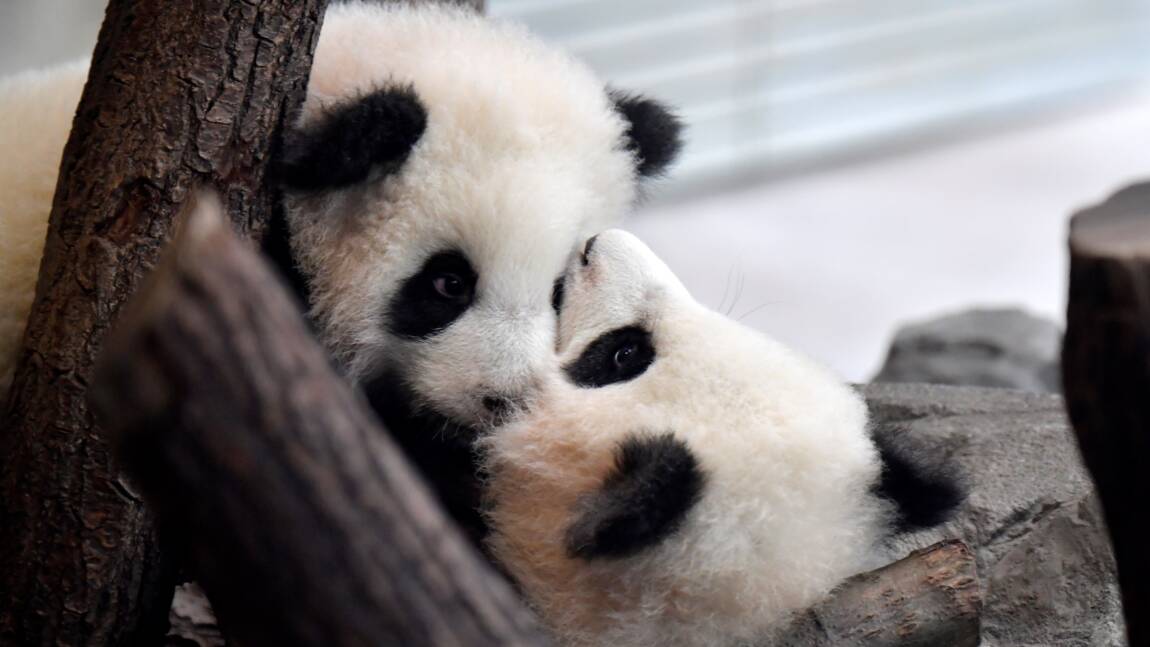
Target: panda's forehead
451	48
705	379
505	220
481	82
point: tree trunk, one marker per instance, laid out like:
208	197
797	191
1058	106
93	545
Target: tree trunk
181	92
305	522
1106	379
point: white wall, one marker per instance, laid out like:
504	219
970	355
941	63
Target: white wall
35	33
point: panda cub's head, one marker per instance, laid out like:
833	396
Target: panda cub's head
442	171
685	480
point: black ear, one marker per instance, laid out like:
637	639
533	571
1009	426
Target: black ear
654	133
655	482
925	492
375	130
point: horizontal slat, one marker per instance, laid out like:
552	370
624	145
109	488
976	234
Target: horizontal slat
778	62
797	99
1043	74
760	82
728	29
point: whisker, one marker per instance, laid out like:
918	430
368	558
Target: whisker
726	288
757	308
738	292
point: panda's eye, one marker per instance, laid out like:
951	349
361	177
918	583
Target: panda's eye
450	286
431	299
617	356
625	355
557	291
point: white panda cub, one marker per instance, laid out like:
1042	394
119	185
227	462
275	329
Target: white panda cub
686	480
442	171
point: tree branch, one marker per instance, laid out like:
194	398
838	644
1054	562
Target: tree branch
930	598
306	525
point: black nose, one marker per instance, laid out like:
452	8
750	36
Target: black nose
496	404
587	249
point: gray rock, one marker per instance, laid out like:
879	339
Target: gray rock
1044	558
1002	348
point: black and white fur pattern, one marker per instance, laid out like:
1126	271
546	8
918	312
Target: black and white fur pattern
437	143
438	178
687	481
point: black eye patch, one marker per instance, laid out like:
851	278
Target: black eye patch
617	356
432	298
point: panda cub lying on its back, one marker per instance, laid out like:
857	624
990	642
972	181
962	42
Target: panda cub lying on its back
688	481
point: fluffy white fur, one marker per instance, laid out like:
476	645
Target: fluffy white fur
522	158
36	110
786	512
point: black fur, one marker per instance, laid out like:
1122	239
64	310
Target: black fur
616	356
585	256
644	500
376	130
654	133
417	311
925	493
443	450
277	247
558	291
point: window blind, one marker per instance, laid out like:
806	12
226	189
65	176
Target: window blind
767	84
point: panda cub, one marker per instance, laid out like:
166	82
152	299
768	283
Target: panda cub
441	174
442	171
684	480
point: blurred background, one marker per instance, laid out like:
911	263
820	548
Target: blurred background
851	165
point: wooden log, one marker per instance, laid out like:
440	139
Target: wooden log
929	599
1106	378
306	525
180	92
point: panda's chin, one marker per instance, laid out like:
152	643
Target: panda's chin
442	448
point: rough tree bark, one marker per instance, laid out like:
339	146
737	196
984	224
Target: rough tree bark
306	524
1106	378
180	92
929	599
